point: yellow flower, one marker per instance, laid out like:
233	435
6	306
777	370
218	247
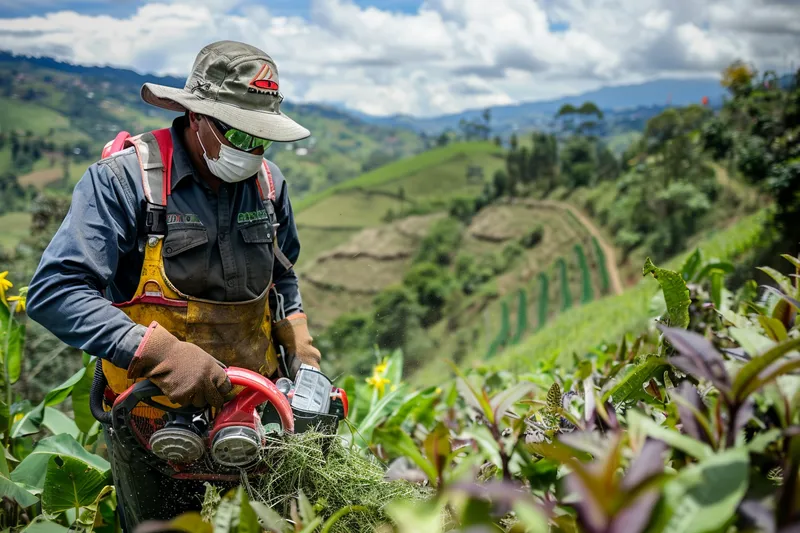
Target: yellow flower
379	383
380	368
21	299
438	391
4	285
393	388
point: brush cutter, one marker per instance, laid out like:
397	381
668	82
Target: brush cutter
192	443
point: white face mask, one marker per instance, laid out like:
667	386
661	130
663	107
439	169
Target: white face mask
232	165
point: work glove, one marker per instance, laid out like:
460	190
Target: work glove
184	372
292	333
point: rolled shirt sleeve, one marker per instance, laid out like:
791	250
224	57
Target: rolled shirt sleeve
66	292
286	281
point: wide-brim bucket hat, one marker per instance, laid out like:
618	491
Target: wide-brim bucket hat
237	84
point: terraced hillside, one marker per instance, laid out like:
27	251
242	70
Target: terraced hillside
421	183
351	253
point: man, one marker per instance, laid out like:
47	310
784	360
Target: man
176	256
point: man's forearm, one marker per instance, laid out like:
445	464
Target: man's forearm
65	294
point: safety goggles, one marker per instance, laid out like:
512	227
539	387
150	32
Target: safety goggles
241	140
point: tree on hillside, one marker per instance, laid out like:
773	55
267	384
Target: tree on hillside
738	78
588	116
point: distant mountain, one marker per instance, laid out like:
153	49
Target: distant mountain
118	75
619	99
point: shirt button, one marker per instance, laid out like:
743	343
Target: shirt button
169	250
230	283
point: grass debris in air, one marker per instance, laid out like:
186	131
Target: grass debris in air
331	476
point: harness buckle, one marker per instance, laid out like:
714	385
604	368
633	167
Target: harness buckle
155	220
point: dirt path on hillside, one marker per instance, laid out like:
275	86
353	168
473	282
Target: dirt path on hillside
608	250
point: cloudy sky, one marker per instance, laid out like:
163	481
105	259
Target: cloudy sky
421	57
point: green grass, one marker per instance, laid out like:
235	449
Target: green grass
13	227
402	168
25	116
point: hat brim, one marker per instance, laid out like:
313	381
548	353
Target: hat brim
261	124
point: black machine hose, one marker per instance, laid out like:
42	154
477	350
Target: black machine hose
96	395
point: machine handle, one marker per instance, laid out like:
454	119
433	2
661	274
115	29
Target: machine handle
258	390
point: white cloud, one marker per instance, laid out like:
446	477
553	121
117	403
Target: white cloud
449	55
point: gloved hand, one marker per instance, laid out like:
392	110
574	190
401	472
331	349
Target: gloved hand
184	372
292	333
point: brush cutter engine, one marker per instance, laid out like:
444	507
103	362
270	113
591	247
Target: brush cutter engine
187	442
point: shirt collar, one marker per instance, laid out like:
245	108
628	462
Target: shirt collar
181	163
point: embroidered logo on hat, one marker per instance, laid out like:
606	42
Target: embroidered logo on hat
263	82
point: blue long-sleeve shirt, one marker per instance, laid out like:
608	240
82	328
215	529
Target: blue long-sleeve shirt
218	246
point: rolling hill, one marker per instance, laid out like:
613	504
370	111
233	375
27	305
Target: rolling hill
70	111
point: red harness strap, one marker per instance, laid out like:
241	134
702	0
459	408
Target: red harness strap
164	140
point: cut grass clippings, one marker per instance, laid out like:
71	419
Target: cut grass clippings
332	477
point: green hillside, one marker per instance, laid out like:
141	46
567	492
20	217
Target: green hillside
425	182
71	115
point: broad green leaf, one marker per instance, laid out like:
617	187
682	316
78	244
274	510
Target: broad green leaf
16	342
306	509
30	423
41	525
768	377
417	517
774	328
692	263
92	519
32	420
269	519
705	496
60	393
4	471
398	442
631	385
716	288
487	443
227	512
438	448
13	491
477	399
783	281
676	294
533	519
380	409
57	422
71	483
505	400
793	260
80	399
248	519
5	411
312	526
721	267
762	440
394	368
785	302
646	425
752	369
419	400
753	342
190	522
33	468
734	318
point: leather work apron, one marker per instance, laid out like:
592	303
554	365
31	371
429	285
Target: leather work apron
235	333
